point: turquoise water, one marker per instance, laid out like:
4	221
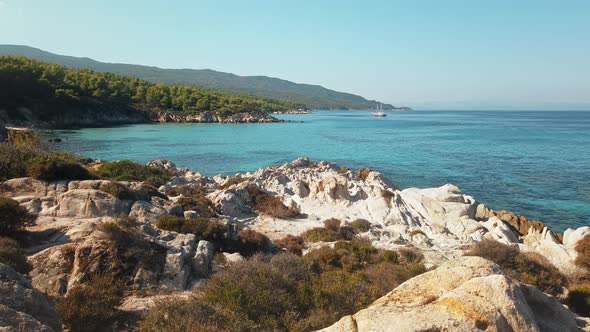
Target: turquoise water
534	163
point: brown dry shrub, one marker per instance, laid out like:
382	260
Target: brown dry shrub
265	203
583	249
232	181
13	217
91	305
11	255
292	244
363	173
194	198
530	268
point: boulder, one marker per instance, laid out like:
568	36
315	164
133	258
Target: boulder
465	294
23	308
90	203
202	259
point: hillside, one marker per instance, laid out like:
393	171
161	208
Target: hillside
40	94
313	96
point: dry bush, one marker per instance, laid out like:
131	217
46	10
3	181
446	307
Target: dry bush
91	305
360	225
319	234
410	255
11	255
194	198
578	299
249	242
363	173
292	244
14	160
529	268
387	276
332	224
583	250
264	203
192	314
343	170
13	217
232	181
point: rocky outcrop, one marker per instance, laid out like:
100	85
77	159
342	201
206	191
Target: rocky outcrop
23	308
211	117
465	294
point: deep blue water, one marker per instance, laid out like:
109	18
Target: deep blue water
533	163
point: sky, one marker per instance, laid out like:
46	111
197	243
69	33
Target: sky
436	54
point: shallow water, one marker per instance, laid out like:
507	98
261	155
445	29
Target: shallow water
533	163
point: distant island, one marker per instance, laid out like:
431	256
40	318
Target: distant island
312	96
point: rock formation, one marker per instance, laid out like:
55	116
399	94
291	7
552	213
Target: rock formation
465	294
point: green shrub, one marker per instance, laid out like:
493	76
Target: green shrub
154	182
13	217
57	166
192	314
293	244
14	160
332	231
11	255
270	205
203	228
389	256
342	291
125	170
232	181
529	268
360	225
118	190
91	305
578	299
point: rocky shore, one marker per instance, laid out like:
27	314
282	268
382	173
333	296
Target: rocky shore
67	244
210	117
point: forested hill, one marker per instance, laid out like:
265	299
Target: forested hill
34	93
313	96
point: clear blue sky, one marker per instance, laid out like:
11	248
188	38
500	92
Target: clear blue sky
439	54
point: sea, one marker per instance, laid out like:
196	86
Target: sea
535	163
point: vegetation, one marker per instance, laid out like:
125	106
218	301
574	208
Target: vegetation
332	231
360	225
203	228
232	181
363	173
13	217
11	255
91	305
25	82
529	268
578	299
315	97
52	167
118	190
265	203
292	244
194	198
14	160
125	170
249	242
286	291
192	314
583	249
